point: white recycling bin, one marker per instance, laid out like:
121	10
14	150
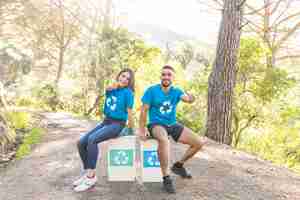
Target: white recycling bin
150	164
121	159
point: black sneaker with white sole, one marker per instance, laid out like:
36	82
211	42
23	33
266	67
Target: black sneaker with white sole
168	185
181	171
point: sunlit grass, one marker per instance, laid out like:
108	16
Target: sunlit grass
33	137
281	147
19	120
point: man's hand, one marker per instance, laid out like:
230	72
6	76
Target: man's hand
143	133
191	97
188	98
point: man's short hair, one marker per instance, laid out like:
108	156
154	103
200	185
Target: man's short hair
168	67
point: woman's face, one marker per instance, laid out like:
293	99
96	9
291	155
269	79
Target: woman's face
124	78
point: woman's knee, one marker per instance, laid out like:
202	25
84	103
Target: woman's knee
91	140
79	144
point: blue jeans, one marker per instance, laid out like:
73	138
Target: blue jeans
88	144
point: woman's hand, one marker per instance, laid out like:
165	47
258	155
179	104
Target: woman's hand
130	131
113	86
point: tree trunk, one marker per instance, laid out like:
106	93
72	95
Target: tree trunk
223	77
5	136
270	57
96	103
3	103
100	91
62	45
60	66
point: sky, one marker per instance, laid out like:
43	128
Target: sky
185	17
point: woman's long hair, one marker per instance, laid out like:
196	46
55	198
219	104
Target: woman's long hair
131	79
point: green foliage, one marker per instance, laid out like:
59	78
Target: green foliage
30	101
265	84
47	91
15	120
275	84
250	55
256	87
115	49
74	104
48	95
119	48
31	138
194	116
278	137
24	102
18	120
17	63
281	146
8	137
290	115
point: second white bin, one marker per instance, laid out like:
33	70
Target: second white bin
150	164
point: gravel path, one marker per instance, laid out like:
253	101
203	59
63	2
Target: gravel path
219	172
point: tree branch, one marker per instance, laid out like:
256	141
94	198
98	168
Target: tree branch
280	15
275	7
243	25
296	56
219	2
255	11
285	19
286	36
219	6
255	28
241	4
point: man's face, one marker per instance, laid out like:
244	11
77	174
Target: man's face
167	77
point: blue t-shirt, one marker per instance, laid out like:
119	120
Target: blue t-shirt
116	103
162	106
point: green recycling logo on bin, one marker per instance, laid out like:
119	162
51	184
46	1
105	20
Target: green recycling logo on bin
121	157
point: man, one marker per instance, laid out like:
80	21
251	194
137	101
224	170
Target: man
160	101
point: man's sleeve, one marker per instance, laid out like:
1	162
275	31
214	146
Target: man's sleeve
179	94
147	97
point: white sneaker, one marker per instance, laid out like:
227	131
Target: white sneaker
79	181
86	184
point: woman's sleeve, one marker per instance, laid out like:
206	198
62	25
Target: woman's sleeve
130	99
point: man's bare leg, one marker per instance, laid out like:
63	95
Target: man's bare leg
195	144
191	139
161	135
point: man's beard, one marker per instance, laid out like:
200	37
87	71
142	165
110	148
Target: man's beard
166	83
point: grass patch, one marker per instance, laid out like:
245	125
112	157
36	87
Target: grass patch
31	138
19	120
282	147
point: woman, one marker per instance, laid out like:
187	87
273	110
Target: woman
117	110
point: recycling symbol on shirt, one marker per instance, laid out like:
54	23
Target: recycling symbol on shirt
166	107
121	158
153	159
111	102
